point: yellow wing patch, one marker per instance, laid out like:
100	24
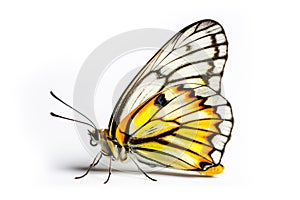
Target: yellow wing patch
179	128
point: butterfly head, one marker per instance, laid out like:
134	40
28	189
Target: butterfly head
94	137
97	136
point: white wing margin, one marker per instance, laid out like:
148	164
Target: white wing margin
197	54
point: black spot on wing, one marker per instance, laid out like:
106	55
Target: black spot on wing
213	39
203	164
188	48
161	100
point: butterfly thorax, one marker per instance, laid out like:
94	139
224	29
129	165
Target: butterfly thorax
110	146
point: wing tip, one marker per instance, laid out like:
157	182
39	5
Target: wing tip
217	169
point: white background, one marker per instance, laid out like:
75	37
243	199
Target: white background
43	45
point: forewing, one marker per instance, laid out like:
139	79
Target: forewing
196	54
184	127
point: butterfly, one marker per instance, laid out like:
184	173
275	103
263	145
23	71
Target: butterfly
172	114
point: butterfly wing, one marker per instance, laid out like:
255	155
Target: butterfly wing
183	127
196	54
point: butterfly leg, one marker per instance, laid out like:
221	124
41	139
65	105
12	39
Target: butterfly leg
93	164
109	171
152	179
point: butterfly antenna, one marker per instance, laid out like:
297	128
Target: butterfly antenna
74	120
52	94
